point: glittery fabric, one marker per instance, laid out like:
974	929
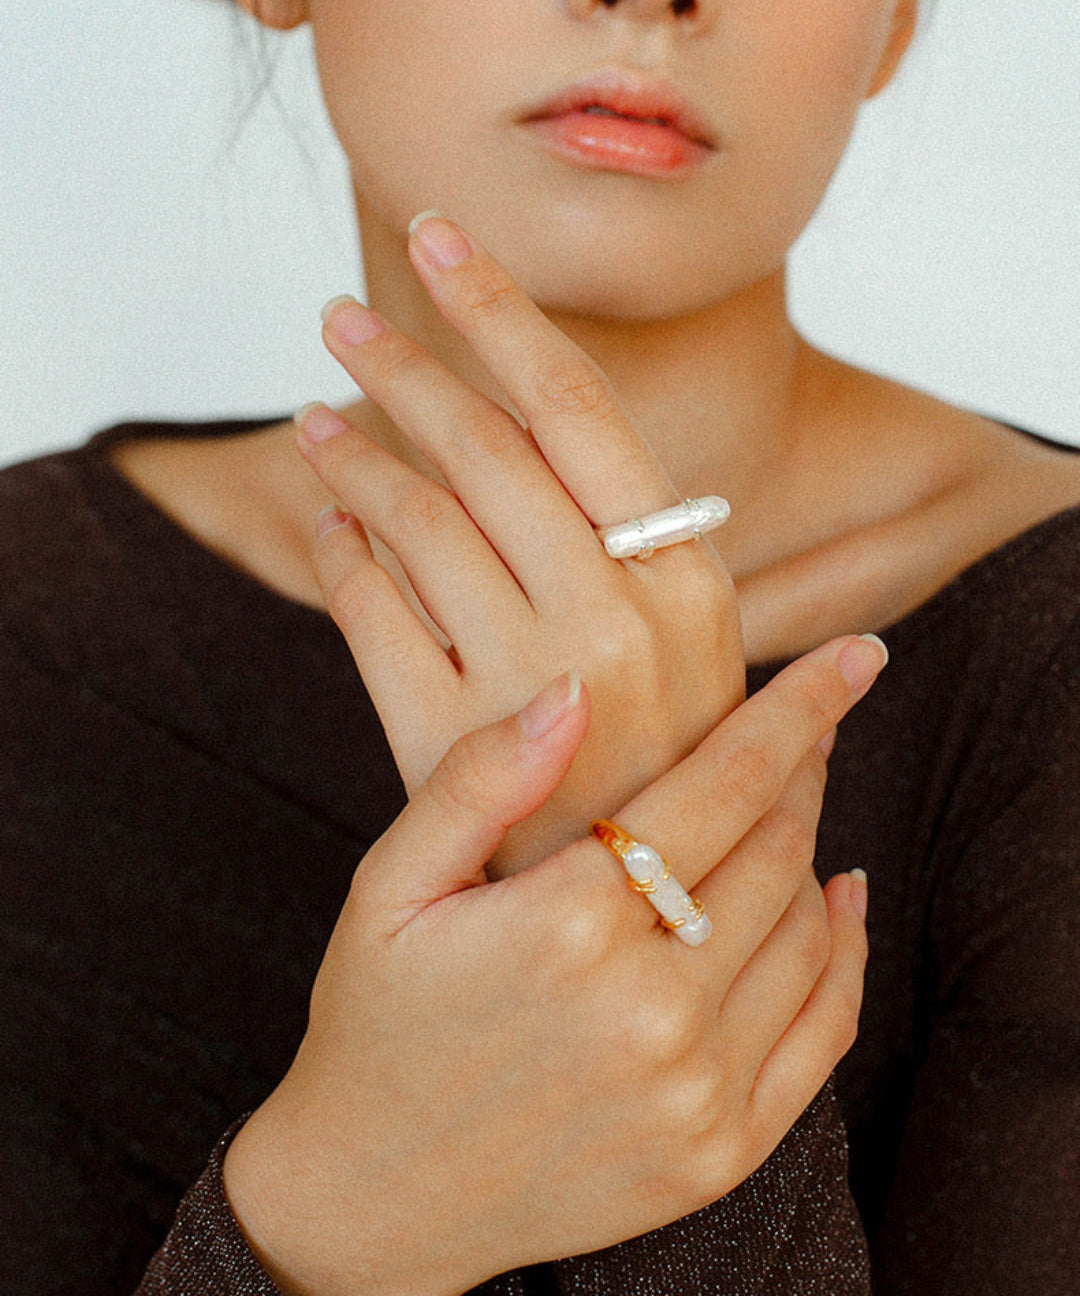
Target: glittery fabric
790	1230
205	1253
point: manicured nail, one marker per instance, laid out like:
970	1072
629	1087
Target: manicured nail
861	662
859	891
329	520
333	304
305	410
420	217
873	639
353	323
441	244
318	422
550	705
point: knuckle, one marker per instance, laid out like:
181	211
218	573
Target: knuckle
491	295
624	637
583	932
460	782
687	1105
662	1027
495	436
846	1025
347	597
822	698
584	915
813	941
794	837
710	1172
815	769
748	773
425	503
574	385
399	357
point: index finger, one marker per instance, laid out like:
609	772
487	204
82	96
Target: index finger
566	399
736	775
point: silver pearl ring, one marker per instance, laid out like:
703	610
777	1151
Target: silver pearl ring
640	537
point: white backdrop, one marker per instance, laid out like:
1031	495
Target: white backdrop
162	254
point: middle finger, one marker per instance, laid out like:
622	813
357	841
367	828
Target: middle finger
738	774
566	399
489	460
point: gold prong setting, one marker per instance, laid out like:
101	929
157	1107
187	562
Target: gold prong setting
650	876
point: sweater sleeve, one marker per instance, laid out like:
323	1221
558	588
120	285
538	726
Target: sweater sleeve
205	1253
984	1201
790	1228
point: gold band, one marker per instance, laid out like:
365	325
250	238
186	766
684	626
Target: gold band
612	836
650	876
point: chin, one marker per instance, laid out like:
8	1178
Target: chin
586	264
633	289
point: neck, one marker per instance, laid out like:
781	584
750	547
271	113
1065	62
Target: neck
714	393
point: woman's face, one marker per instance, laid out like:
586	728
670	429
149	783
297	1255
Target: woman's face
428	99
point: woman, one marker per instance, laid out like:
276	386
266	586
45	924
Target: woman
502	1074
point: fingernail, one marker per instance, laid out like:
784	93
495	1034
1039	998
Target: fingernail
318	422
353	323
873	639
305	410
329	520
859	891
861	662
828	743
420	217
333	304
441	244
557	700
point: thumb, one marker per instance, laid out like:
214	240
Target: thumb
489	779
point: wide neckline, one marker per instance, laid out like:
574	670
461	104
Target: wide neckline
135	504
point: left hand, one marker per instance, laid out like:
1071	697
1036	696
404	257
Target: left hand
505	558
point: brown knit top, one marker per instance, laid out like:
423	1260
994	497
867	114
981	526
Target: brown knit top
179	830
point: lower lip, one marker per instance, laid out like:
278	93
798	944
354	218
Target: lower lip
620	144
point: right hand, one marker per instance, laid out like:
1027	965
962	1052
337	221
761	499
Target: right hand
501	1073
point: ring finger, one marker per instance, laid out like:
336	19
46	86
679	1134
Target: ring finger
420	522
489	460
777	980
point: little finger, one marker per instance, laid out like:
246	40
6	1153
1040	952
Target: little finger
779	977
825	1028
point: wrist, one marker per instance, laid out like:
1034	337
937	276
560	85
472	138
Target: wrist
317	1231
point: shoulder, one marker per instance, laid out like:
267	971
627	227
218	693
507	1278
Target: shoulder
54	537
77	548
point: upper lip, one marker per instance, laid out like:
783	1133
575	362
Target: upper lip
628	96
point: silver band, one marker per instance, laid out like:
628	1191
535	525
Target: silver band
641	537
